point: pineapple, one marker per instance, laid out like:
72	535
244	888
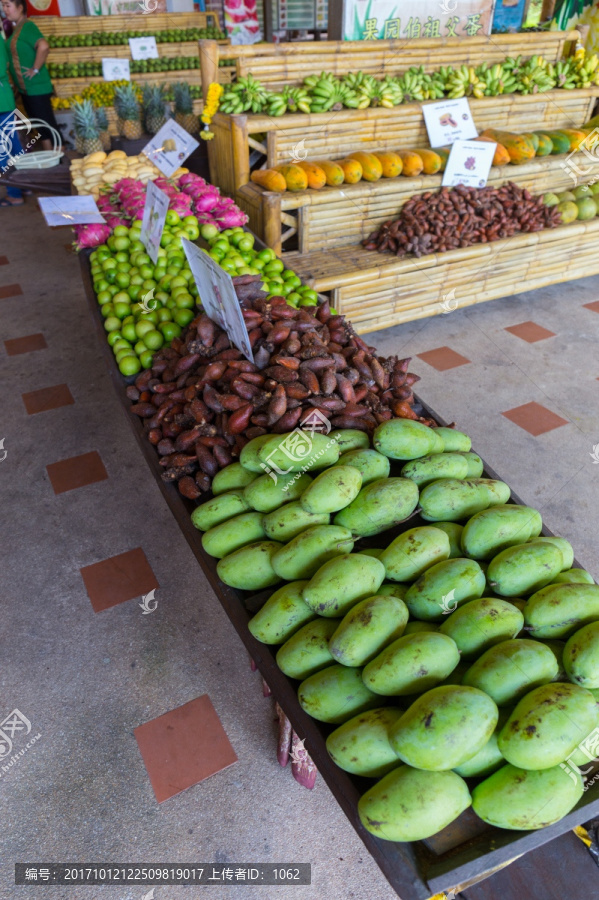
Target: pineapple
153	105
87	136
102	122
184	114
128	111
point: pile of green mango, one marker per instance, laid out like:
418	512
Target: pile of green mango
457	663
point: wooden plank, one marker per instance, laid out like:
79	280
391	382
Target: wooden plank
159	22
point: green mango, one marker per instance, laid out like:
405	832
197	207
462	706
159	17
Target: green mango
411	805
456	676
341	582
367	628
557	648
523	800
411	664
444	727
564	545
307	651
393	590
404	439
524	569
282	614
298	451
361	746
438	465
336	694
232	478
547	725
232	534
438	442
454	533
332	490
574	576
511	669
372	551
499	491
307	552
481	624
451	499
414	551
475	465
350	439
444	587
265	495
249	458
371	464
416	627
581	656
454	441
488	759
492	530
558	610
379	506
218	509
288	521
251	567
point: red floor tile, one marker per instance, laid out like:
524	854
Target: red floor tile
10	290
183	747
118	579
25	344
3	260
443	358
594	306
47	398
76	472
534	418
530	332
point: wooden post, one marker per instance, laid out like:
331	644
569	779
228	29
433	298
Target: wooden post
208	51
335	21
548	10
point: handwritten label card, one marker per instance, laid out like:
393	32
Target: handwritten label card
449	121
469	163
170	147
70	210
152	224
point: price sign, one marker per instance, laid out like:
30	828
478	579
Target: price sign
469	163
70	210
114	69
170	147
218	297
152	224
449	121
143	48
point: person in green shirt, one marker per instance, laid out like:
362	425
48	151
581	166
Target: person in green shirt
9	142
27	56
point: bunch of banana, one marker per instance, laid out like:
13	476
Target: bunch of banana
297	99
464	82
433	86
535	76
587	71
357	81
411	84
512	64
497	80
563	74
247	94
276	104
327	92
372	92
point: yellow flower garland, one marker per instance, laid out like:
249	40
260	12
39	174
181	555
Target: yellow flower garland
210	108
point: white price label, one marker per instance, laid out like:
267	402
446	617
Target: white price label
469	163
143	48
152	224
449	121
71	210
218	297
114	69
170	147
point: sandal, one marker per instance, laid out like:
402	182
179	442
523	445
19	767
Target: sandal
4	202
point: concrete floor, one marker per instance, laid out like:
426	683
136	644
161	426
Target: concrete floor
86	680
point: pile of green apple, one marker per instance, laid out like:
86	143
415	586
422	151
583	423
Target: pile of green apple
581	203
233	249
144	305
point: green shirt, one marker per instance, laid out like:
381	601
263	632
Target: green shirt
21	47
7	99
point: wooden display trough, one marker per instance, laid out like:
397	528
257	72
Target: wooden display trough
464	852
129	22
122	51
378	290
338	216
67	87
289	63
334	134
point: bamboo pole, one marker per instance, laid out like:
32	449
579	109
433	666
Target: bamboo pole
209	54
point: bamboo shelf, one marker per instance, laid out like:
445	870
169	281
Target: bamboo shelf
378	290
122	51
339	216
129	22
66	87
111	115
280	64
334	134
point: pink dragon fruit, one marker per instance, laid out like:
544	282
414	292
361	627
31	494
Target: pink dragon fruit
90	235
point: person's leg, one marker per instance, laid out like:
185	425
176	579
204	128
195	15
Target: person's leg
39	106
14	195
9	146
